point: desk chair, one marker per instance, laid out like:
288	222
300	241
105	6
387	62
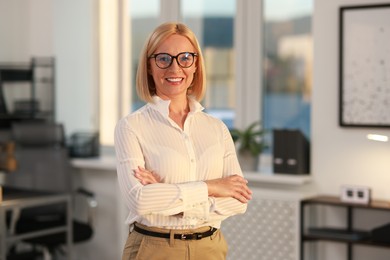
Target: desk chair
43	164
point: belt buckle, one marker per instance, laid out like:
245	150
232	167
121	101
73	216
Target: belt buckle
192	236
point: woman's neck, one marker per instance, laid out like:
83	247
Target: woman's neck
178	111
179	106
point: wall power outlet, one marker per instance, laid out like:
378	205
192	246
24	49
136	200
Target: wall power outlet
355	194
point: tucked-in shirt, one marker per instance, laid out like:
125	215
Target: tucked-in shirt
183	158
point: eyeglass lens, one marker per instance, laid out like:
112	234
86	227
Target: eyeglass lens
184	59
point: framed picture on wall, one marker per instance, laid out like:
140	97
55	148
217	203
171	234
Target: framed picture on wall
364	72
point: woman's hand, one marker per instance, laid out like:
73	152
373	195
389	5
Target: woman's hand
234	186
146	177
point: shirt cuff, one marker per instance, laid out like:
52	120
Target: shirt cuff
195	201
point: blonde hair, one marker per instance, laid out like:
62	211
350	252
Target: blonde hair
145	85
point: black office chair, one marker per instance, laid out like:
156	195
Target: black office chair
43	164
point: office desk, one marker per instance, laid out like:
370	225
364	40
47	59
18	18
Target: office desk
14	200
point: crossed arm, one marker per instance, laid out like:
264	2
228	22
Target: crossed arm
233	186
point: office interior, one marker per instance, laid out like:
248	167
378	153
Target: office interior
90	52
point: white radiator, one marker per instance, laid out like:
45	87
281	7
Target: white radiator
269	230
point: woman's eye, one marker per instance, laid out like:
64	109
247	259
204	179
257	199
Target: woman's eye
164	59
185	58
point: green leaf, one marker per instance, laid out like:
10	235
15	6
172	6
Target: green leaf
250	139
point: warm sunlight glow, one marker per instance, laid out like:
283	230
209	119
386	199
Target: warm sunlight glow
114	61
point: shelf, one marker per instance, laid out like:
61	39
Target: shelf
38	98
338	234
347	235
366	242
335	201
287	179
97	163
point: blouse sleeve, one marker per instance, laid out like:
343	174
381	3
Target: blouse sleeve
160	198
221	208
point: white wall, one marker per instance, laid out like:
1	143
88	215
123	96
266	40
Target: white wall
66	30
40	27
76	51
26	29
342	155
15	38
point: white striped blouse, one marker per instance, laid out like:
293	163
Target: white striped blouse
203	150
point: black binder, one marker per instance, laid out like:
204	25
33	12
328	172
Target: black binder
291	152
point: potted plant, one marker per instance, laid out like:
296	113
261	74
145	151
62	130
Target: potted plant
249	144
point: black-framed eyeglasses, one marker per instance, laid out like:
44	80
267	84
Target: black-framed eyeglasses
183	59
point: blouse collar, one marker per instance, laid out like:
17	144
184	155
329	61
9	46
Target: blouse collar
162	105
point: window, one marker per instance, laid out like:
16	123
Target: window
213	23
258	56
287	60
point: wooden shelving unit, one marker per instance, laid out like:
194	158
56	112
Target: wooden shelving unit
349	235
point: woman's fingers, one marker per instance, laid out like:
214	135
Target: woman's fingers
146	177
234	186
243	193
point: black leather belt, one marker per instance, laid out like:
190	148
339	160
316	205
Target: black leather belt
190	236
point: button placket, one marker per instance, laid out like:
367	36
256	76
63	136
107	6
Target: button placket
191	154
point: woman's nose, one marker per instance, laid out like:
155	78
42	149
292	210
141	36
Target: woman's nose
175	65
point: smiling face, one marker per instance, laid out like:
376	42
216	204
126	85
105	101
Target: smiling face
173	81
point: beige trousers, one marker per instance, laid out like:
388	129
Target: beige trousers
143	247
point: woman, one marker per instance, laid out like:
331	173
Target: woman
177	167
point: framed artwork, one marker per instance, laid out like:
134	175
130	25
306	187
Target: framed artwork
364	72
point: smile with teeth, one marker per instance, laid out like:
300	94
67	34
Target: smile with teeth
174	80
